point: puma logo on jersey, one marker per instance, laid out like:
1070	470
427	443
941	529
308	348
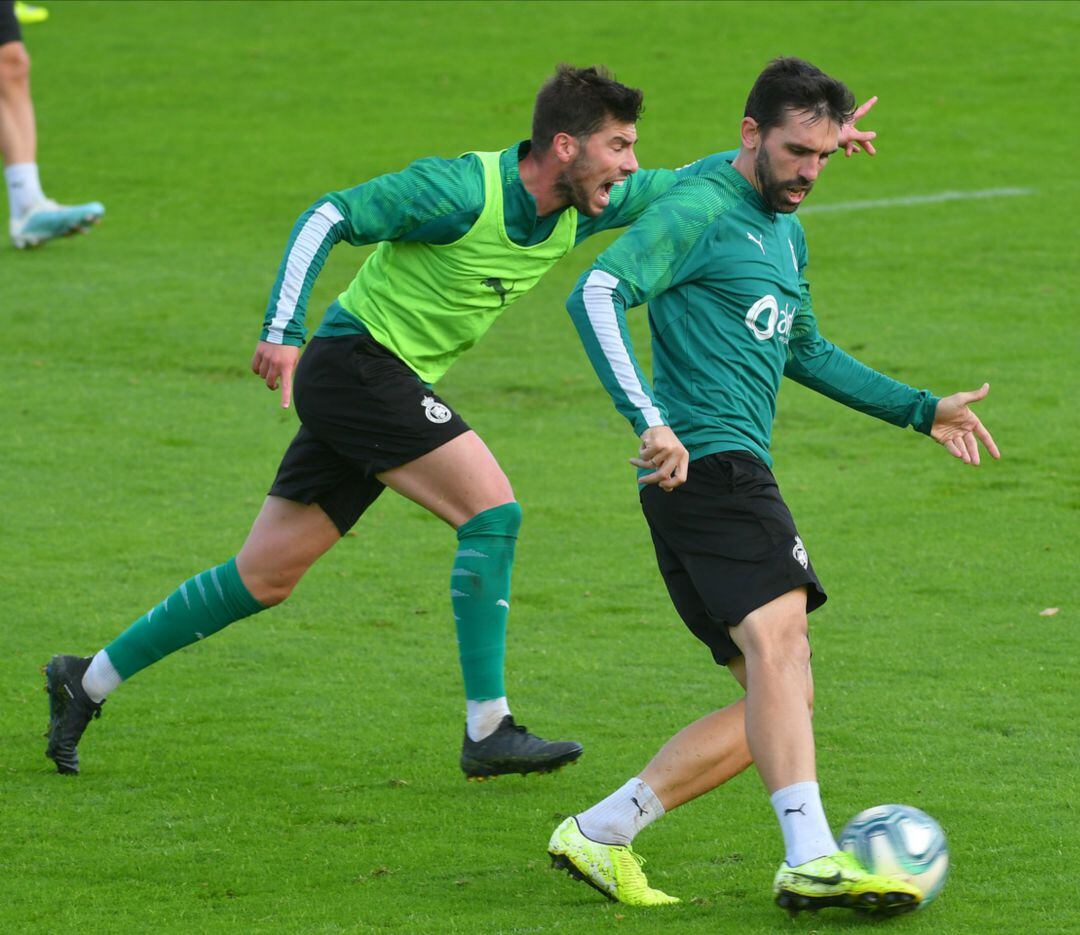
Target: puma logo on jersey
499	288
758	241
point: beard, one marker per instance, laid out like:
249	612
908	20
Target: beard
571	185
773	190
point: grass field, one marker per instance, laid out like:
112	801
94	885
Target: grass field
299	773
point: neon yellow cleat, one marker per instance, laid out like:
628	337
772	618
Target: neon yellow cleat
612	869
28	15
840	880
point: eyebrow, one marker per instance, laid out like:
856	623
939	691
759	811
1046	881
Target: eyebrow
810	149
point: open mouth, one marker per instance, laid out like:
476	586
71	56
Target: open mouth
604	192
796	195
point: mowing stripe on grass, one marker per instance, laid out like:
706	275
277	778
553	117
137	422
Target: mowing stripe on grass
920	199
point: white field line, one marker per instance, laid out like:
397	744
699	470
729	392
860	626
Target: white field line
918	200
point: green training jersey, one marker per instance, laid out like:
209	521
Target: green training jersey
437	202
730	314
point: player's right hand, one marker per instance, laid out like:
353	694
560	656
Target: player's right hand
662	451
275	363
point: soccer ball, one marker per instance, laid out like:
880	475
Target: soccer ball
899	841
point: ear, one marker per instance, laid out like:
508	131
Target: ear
565	147
750	133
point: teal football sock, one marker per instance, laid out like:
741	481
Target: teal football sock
480	595
197	609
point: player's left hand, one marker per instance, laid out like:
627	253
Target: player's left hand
959	429
852	139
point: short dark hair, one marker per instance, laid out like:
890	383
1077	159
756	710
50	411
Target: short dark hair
578	101
793	83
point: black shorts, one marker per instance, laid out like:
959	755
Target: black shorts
362	411
9	25
726	544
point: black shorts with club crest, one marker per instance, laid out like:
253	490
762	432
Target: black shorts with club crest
362	411
726	544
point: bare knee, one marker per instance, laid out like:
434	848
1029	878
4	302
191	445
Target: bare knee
267	576
775	633
14	65
285	541
777	642
269	587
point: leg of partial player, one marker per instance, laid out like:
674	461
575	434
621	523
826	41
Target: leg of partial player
462	484
284	541
18	133
34	218
779	732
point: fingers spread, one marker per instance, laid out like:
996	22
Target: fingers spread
987	440
972	449
864	109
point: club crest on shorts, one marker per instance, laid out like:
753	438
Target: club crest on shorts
798	552
435	411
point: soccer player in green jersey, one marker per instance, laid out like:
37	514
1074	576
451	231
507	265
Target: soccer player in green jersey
459	241
721	259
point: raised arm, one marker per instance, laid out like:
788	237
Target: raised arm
631	198
634	196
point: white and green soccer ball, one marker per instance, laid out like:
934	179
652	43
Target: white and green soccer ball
899	841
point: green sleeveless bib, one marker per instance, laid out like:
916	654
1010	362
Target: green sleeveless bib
429	303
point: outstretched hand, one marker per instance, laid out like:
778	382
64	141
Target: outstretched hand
851	139
275	363
959	429
662	451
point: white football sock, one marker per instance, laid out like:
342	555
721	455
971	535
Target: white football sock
482	717
100	678
802	820
622	814
23	187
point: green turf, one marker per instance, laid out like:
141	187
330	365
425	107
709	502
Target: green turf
299	772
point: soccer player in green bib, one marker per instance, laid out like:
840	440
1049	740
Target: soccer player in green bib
721	260
459	240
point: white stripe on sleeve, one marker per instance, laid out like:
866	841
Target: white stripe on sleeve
600	308
297	264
